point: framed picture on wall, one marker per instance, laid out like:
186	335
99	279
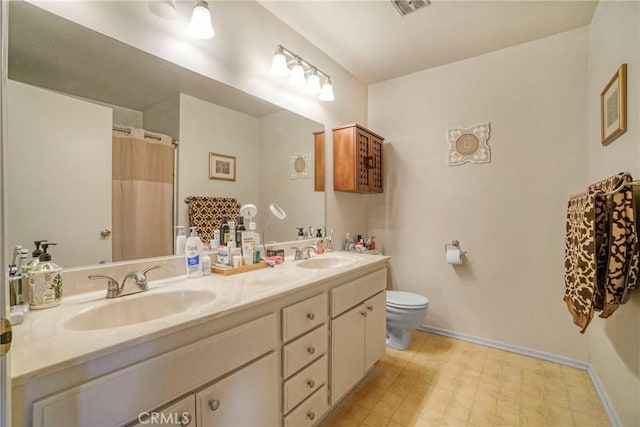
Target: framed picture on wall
222	167
613	107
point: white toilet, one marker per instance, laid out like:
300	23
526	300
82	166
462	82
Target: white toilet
405	312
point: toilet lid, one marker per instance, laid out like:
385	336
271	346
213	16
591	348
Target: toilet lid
408	300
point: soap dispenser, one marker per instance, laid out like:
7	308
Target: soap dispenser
193	250
45	281
300	233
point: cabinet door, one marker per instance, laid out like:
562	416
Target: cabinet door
181	413
247	398
363	160
375	329
347	351
375	164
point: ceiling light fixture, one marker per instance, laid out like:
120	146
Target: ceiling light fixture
301	73
200	24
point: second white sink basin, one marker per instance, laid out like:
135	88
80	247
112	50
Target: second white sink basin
132	309
327	261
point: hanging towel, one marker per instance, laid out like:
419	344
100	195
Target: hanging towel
206	213
580	259
623	258
601	251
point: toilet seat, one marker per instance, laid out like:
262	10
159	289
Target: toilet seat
406	300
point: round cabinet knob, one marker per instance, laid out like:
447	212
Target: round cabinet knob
185	420
311	349
364	314
311	383
104	233
311	316
214	404
311	415
370	307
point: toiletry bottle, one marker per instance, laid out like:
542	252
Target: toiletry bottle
372	244
206	261
240	228
320	246
192	252
181	240
224	231
45	282
348	242
300	233
319	232
232	232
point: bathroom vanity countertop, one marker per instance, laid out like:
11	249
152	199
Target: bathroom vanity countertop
42	344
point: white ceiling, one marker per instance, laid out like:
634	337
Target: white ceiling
373	42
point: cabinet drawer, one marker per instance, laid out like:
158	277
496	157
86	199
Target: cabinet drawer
348	295
158	380
303	316
305	349
310	411
305	382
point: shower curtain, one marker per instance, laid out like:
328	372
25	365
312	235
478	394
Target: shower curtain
142	185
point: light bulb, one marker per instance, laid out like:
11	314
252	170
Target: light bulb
200	24
313	84
279	65
296	78
326	94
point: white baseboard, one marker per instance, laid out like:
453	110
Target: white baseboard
613	416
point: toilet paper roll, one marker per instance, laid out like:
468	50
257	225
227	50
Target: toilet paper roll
453	256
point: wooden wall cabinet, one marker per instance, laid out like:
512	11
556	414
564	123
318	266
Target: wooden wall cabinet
318	156
357	160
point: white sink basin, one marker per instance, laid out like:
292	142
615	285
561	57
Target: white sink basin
129	310
327	261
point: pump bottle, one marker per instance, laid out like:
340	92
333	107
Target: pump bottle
193	249
45	282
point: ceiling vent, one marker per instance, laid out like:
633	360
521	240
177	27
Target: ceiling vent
405	7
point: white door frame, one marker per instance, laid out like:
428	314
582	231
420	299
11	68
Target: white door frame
5	362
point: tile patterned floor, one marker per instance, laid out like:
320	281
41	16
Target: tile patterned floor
440	381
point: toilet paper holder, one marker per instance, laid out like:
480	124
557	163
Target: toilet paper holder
456	244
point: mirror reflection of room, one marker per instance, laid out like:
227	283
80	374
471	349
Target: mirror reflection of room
68	182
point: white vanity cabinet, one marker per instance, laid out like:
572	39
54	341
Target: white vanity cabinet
358	330
304	361
124	396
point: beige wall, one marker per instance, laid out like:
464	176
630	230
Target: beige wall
508	214
281	134
614	344
205	128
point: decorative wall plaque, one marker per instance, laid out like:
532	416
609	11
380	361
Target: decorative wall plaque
469	145
299	165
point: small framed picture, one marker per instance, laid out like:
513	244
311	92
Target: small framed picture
222	167
613	106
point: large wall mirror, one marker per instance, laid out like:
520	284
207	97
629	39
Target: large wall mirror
73	92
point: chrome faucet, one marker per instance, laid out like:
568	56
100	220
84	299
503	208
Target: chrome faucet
304	252
115	290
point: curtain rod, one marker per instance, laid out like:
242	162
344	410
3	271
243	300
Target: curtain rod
127	131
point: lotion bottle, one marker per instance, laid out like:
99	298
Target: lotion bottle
192	251
45	282
181	240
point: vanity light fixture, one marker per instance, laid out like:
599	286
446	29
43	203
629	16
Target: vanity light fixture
301	73
200	24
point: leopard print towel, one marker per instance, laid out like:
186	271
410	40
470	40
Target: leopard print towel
206	213
602	250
